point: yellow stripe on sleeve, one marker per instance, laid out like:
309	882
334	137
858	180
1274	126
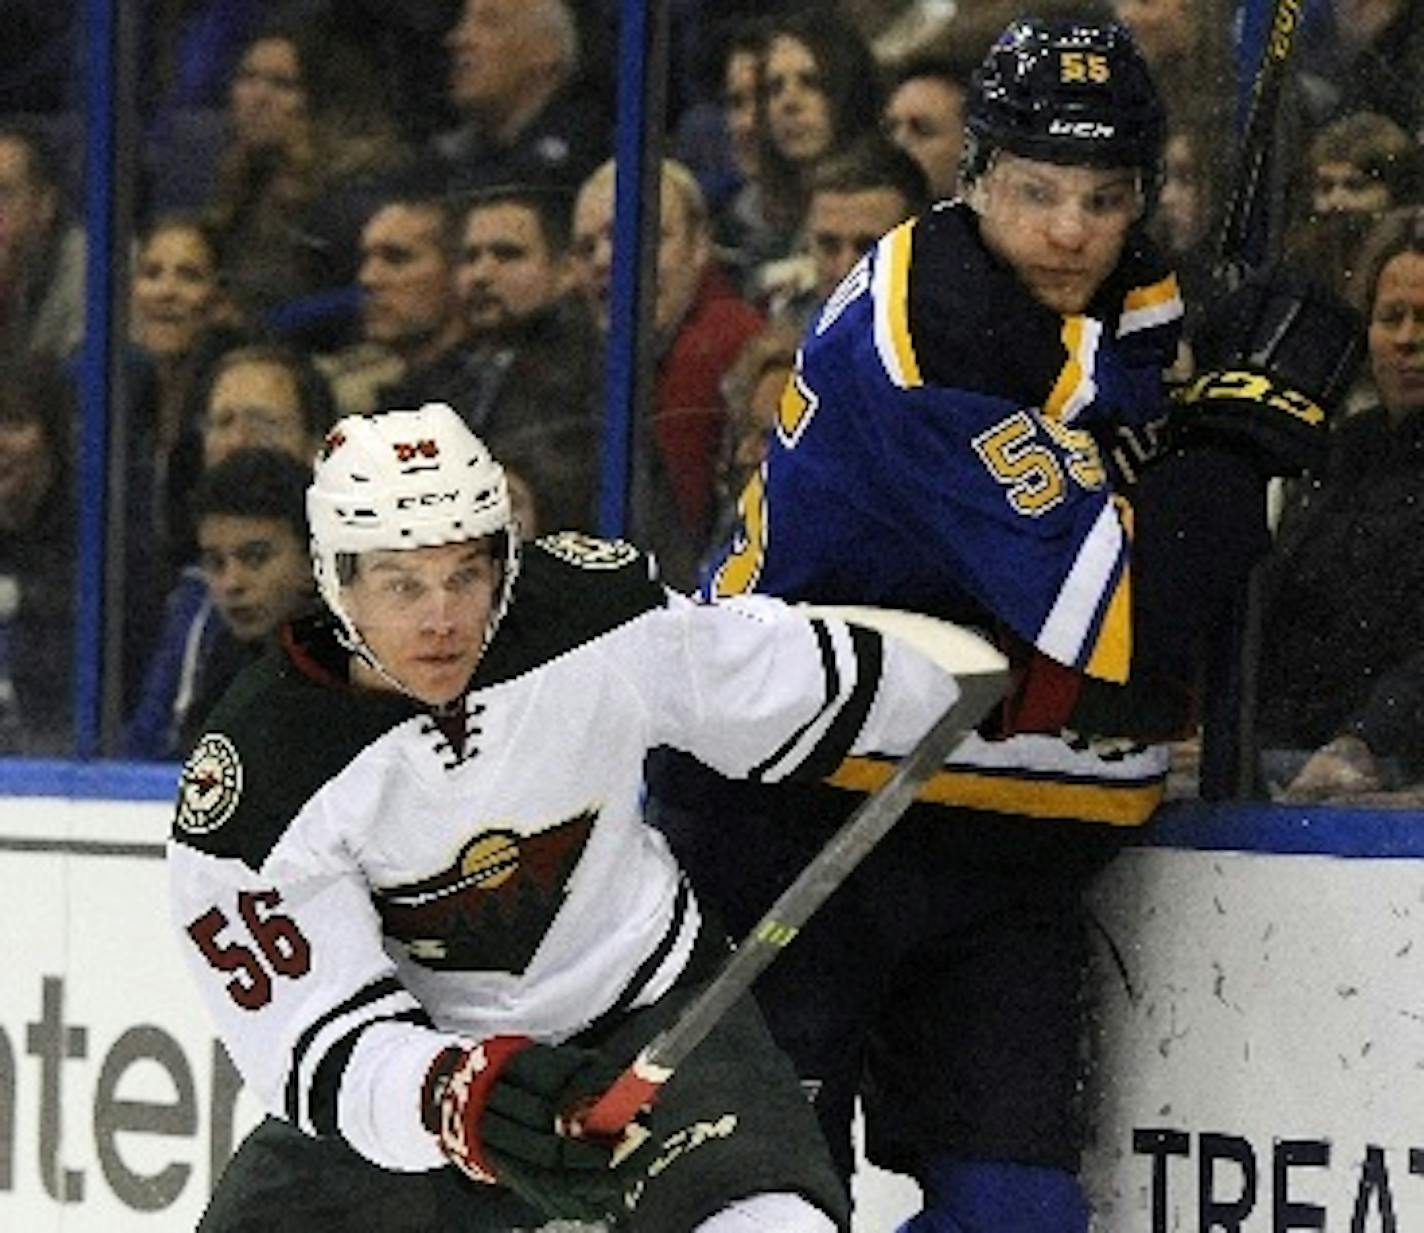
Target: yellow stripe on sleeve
1111	659
1126	804
891	284
1075	387
1144	307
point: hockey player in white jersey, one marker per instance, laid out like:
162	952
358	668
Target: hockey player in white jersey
410	869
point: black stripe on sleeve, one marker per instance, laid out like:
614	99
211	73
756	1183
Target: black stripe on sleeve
649	967
371	993
832	748
833	687
326	1083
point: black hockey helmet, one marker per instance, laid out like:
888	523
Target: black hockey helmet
1062	90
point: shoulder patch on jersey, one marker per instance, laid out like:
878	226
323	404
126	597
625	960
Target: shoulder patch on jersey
588	551
211	785
276	737
564	598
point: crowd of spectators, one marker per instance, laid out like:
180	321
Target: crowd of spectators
345	206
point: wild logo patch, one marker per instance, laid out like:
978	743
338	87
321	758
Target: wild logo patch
211	785
588	551
492	907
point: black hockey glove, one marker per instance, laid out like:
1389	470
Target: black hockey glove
1129	449
1275	357
499	1108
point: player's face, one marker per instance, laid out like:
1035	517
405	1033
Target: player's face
257	571
505	272
1061	229
925	118
1397	334
798	113
841	227
175	291
405	276
423	613
254	404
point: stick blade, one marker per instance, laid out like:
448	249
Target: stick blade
959	651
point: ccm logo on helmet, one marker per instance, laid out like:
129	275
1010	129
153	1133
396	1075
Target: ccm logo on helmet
427	498
1091	129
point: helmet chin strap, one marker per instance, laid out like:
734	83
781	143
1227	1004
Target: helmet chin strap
350	637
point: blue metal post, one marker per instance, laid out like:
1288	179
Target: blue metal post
1255	23
100	29
642	67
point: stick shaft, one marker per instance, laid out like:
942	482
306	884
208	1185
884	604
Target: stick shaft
870	822
1258	135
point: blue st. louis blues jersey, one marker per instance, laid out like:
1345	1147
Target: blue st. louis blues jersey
934	450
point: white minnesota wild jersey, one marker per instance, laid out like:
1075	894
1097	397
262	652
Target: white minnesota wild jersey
356	881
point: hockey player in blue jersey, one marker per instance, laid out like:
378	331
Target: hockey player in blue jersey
947	443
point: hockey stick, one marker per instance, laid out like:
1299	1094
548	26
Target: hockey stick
1240	226
639	1084
1228	739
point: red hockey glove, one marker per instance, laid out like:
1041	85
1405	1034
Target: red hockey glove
499	1109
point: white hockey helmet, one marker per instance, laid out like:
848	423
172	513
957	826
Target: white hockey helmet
405	479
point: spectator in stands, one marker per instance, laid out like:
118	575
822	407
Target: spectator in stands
528	118
552	475
752	391
255	396
1358	167
253	574
819	92
741	82
721	145
265	396
898	31
180	320
412	325
931	27
189	53
1188	214
38	550
1362	163
924	116
1341	683
1188	45
1185	207
856	197
41	251
699	326
40	57
313	144
536	355
740	230
1369	61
